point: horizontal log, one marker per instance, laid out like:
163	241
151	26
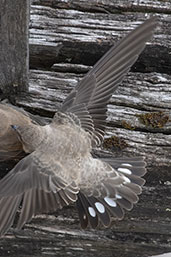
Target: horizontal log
85	37
108	6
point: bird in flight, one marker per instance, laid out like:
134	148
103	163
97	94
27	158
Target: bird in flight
59	168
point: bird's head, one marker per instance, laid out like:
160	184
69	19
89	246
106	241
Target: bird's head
28	136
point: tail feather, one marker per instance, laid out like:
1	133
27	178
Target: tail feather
82	212
128	166
124	203
100	211
113	196
87	212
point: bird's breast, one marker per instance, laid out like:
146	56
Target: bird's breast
68	141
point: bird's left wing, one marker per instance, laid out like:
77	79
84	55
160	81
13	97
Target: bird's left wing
35	186
89	99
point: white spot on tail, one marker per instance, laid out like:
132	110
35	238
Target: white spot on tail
100	207
92	211
84	217
118	196
124	170
126	164
110	201
127	180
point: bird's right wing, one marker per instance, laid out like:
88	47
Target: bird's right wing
89	99
37	187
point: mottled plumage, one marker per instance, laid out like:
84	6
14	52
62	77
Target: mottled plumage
59	168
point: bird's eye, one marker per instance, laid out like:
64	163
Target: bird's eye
14	127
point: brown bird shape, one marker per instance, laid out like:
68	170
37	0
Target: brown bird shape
59	168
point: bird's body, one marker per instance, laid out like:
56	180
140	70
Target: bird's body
60	168
67	143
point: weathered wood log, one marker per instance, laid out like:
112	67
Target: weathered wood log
14	46
107	6
86	36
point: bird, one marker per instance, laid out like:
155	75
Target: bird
59	168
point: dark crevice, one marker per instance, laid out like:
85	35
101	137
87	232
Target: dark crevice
88	53
159	60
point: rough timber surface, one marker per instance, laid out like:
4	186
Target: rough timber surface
14	19
66	39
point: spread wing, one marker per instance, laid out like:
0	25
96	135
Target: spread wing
37	187
115	190
89	99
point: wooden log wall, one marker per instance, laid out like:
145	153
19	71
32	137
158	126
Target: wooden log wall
66	39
